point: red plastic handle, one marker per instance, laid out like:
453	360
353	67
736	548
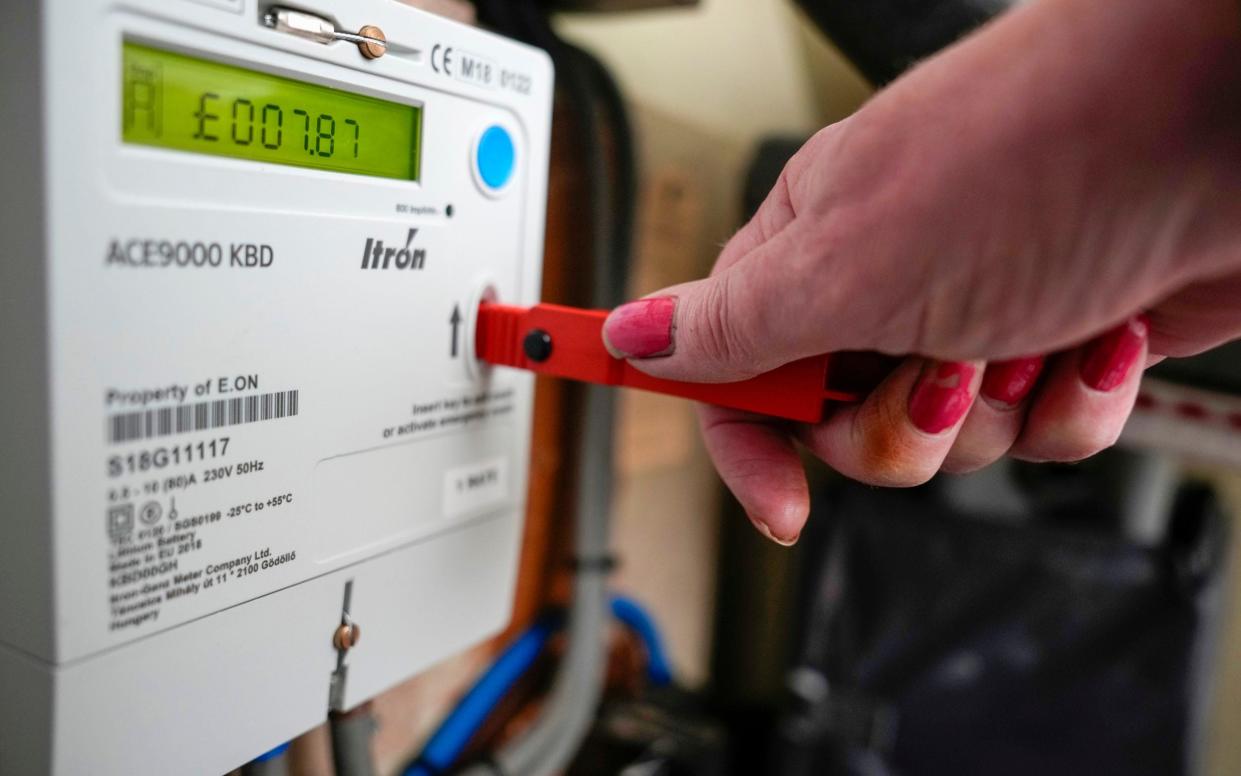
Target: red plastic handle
568	342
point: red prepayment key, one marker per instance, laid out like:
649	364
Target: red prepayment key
568	342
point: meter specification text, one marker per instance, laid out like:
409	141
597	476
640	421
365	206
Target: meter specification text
171	526
475	69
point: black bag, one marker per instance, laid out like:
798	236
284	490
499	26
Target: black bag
939	643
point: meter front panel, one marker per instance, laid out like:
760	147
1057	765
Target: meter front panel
262	278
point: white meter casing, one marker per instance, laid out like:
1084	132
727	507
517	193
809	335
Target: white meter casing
238	397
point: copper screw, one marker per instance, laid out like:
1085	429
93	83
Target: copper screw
372	50
347	635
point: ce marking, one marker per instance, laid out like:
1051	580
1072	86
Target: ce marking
441	59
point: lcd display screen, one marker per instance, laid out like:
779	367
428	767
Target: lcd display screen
174	101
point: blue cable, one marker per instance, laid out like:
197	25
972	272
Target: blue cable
631	613
272	754
446	743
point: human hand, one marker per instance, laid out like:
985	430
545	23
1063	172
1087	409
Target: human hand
1064	182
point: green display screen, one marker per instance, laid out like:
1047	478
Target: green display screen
174	101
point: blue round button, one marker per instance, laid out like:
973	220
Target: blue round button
496	157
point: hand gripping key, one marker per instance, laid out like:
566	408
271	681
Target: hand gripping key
568	342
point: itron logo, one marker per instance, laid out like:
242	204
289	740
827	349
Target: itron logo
378	256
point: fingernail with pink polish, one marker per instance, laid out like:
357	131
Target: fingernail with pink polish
641	329
1110	358
1009	382
766	532
942	396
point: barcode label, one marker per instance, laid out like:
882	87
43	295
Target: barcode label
186	418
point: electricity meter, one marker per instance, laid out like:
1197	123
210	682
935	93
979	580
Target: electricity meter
243	247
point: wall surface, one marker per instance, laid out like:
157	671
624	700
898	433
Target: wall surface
737	67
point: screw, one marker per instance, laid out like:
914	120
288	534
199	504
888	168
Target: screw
538	345
347	635
369	49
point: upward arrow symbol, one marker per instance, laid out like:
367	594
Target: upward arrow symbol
455	321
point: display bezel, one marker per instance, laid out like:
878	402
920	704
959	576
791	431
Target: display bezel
250	67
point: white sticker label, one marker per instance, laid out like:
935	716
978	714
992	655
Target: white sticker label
474	487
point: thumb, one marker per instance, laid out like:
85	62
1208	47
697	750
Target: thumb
768	308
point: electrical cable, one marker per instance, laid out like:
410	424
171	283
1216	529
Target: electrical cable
633	615
351	734
445	745
550	743
271	763
499	15
447	742
611	103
